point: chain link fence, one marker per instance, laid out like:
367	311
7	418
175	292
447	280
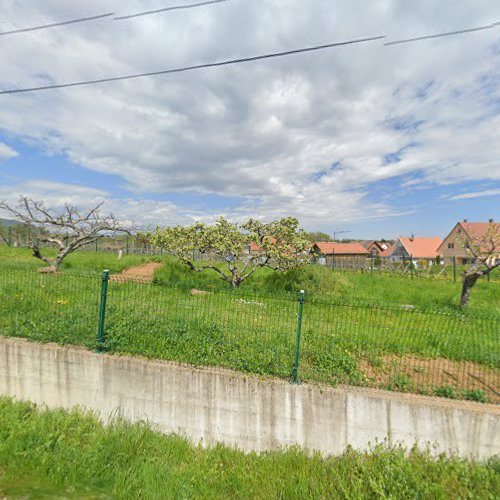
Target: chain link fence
300	338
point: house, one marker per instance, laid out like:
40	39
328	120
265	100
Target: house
255	249
387	252
334	254
416	248
464	233
376	247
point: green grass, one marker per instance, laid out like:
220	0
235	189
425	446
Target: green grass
319	281
56	454
78	261
343	341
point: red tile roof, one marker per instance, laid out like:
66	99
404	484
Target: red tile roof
254	247
387	251
478	230
257	248
478	234
341	248
421	247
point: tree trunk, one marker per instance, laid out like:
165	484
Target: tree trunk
38	255
468	281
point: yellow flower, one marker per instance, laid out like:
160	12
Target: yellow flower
61	301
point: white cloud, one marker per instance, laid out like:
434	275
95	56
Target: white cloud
477	194
267	131
55	195
6	152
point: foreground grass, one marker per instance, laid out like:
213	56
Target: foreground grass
55	454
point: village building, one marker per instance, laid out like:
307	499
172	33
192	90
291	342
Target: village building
416	248
332	254
463	233
375	247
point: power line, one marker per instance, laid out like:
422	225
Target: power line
193	67
247	59
166	9
447	33
60	23
110	14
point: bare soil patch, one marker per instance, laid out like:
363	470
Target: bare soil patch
426	374
143	273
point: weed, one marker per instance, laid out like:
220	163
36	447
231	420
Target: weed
445	391
475	395
401	382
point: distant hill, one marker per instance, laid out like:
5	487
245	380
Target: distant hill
8	222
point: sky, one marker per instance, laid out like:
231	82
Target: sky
370	139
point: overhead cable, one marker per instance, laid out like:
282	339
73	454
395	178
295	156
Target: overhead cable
193	67
60	23
166	9
446	33
246	59
110	14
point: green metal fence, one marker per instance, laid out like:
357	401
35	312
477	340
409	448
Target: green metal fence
292	335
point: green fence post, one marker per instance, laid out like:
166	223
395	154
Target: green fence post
454	269
371	264
126	245
97	245
295	371
102	310
10	236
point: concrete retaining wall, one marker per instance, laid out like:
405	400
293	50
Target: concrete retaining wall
213	405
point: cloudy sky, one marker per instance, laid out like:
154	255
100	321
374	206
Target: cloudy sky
374	139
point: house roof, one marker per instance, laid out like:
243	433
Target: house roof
328	248
421	247
476	231
254	247
387	251
382	245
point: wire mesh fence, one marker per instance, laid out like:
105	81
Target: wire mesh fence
402	348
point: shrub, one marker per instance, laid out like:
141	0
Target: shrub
445	391
475	395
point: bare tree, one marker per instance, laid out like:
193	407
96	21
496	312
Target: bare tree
67	231
4	239
484	251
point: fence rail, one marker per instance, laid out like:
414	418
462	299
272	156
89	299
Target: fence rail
401	348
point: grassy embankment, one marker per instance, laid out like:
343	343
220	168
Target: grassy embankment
396	344
55	454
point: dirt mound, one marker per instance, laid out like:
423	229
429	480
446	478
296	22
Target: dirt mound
143	273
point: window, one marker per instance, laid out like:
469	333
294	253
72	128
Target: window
451	245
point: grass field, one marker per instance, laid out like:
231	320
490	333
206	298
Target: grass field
79	261
316	280
403	346
38	459
323	282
